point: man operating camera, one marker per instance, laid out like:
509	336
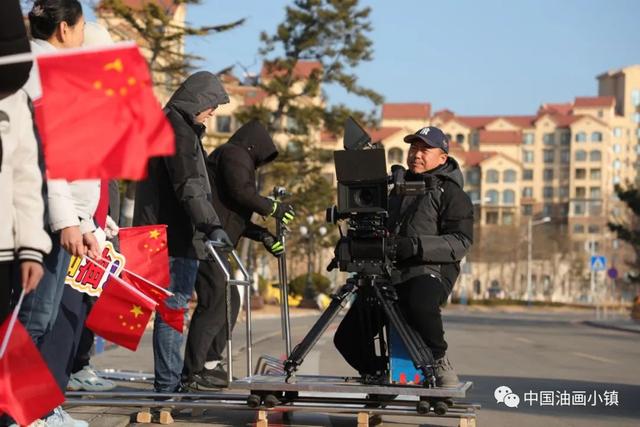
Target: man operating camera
431	233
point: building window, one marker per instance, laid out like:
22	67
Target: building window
565	156
563	192
617	132
581	192
617	164
396	155
564	208
581	155
595	208
508	197
509	175
635	97
492	197
547	210
565	138
578	228
473	176
223	124
594	229
565	174
615	180
616	148
460	138
548	156
581	173
596	137
527	156
527	192
595	174
547	192
527	174
548	139
636	118
474	195
491	218
581	137
527	138
595	193
547	174
527	209
578	209
595	155
493	176
507	218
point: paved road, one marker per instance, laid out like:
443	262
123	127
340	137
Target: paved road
528	352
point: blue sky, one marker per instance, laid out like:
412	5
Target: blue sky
473	57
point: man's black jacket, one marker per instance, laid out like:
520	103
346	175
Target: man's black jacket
231	170
441	221
177	191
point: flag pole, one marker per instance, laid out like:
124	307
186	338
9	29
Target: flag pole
12	323
122	282
158	287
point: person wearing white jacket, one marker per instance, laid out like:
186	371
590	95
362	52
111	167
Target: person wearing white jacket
59	24
23	240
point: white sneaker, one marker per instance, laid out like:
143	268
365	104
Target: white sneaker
61	418
89	380
74	384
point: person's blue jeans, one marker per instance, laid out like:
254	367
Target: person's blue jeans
167	342
40	307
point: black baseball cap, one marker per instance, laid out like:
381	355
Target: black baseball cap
430	135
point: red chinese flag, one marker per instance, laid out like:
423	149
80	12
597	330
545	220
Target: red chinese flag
145	249
173	317
98	115
28	391
121	313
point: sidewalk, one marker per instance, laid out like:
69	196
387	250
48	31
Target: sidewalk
626	325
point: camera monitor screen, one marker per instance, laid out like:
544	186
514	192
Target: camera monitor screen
360	165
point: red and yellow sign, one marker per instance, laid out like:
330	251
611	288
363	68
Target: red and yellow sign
85	276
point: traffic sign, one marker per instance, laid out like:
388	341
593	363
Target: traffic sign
612	273
598	263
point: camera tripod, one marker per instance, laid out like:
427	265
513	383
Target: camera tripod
384	294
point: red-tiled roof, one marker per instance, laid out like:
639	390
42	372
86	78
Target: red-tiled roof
255	96
558	108
301	70
563	121
420	111
499	137
379	135
475	122
474	158
326	136
445	114
593	101
520	121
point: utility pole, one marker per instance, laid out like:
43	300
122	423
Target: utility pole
530	252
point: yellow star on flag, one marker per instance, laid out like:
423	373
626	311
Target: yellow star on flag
154	234
136	311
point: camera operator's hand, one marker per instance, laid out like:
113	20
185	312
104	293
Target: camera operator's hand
406	247
272	244
221	236
283	212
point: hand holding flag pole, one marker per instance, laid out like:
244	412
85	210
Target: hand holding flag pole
12	323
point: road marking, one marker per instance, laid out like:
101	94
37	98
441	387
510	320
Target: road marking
525	340
596	358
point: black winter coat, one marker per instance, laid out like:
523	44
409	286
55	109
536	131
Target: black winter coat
177	191
231	170
441	220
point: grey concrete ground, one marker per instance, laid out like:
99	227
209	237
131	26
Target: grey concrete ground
529	351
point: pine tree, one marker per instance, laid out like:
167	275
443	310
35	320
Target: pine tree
319	43
629	230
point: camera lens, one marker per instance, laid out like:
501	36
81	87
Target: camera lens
364	197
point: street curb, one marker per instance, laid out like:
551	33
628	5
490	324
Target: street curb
613	327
